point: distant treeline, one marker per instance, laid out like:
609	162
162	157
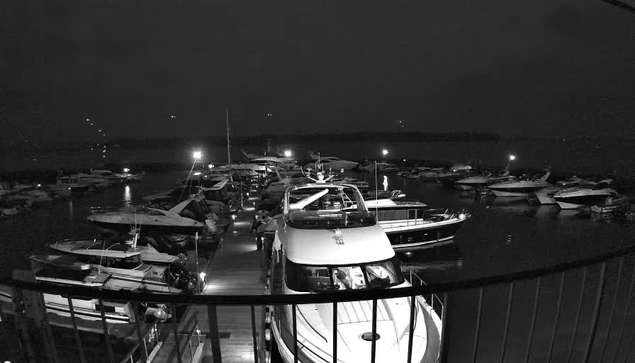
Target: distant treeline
340	138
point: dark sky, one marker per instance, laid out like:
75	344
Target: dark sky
538	68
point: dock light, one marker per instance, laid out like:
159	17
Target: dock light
39	185
512	157
202	276
126	170
384	152
197	155
461	216
287	153
211	166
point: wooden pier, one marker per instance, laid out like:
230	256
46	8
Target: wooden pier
234	268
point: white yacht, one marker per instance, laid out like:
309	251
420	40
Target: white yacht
587	193
520	188
412	225
479	182
327	241
331	162
187	217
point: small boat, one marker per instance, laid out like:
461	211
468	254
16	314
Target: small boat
520	188
586	194
413	225
481	181
331	162
612	205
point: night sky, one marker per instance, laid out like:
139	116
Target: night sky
537	68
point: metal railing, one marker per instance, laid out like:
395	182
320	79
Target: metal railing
578	311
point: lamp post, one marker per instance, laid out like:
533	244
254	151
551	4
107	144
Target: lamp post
512	157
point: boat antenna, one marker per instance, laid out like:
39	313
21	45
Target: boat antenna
229	159
376	190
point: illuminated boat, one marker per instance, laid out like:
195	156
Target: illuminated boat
521	187
411	224
329	242
586	194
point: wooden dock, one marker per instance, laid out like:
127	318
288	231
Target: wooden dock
234	269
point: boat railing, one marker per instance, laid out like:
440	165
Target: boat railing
576	311
432	299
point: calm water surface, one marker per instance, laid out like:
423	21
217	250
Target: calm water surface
503	235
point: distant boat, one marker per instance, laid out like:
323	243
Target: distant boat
587	193
519	188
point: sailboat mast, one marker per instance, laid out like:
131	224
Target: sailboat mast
229	159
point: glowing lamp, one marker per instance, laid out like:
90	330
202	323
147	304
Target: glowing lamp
512	157
210	166
287	153
126	170
197	155
384	152
462	216
202	276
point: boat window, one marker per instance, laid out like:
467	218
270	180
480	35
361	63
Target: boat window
327	207
311	278
412	213
419	213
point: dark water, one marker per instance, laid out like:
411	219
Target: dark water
503	235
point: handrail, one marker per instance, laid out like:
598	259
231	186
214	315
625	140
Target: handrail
326	297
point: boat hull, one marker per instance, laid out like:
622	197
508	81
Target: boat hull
125	227
414	238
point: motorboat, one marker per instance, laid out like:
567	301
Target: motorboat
131	264
187	217
587	193
331	163
381	166
569	182
412	224
613	205
72	183
479	182
328	242
521	187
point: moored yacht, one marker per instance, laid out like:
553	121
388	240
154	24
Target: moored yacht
587	193
411	224
479	182
187	217
327	241
520	188
331	162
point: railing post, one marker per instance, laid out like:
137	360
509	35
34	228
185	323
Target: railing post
111	356
443	349
373	346
556	318
596	312
175	330
577	315
20	316
295	333
142	342
534	313
335	332
411	327
510	299
627	313
615	295
214	335
78	341
478	323
254	335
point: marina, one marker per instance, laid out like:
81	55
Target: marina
234	261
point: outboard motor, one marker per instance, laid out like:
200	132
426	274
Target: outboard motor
176	275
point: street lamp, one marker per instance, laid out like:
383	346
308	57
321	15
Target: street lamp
512	157
287	153
197	155
384	152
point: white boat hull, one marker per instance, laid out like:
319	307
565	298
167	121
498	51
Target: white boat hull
509	193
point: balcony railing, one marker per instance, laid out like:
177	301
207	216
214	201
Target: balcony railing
578	311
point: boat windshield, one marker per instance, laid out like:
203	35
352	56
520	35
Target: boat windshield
327	207
315	278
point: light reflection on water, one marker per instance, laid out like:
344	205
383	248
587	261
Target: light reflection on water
127	196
